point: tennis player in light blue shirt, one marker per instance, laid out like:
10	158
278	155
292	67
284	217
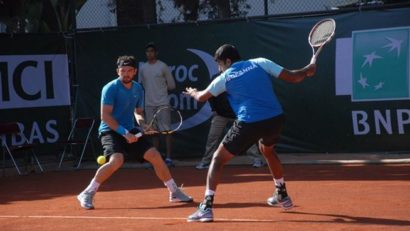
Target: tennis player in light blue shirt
122	101
260	118
125	101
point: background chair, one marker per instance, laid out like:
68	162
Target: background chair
80	135
13	129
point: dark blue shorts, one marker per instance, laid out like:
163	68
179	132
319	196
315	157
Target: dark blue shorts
241	136
112	142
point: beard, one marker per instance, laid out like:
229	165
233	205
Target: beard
126	79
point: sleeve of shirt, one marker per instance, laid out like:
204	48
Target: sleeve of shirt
217	86
107	95
270	67
169	78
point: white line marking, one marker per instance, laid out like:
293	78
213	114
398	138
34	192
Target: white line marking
127	218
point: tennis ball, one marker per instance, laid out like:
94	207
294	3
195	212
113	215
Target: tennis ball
101	160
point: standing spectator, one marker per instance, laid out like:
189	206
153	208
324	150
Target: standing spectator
157	80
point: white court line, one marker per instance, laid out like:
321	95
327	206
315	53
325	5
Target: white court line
128	218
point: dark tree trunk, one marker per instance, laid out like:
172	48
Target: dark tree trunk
223	8
132	12
190	8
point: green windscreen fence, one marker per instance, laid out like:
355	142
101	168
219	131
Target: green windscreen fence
359	100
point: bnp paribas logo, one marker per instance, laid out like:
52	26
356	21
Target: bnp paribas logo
378	65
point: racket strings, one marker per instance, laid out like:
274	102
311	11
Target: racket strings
322	33
167	120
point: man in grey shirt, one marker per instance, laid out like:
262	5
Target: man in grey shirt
157	80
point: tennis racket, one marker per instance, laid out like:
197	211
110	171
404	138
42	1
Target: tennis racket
321	33
166	120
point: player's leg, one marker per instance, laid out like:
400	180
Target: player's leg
115	162
273	128
152	155
272	159
113	145
235	141
220	158
215	134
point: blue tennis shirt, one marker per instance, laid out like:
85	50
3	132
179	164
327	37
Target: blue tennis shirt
249	87
124	102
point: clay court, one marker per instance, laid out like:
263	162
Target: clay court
326	197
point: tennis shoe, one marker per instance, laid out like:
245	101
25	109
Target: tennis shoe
202	214
257	163
179	196
280	198
202	165
169	163
86	199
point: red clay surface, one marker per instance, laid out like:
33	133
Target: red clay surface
326	197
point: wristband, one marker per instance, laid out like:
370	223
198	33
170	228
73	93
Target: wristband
121	130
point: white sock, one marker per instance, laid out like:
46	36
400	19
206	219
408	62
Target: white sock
209	192
279	182
171	185
92	187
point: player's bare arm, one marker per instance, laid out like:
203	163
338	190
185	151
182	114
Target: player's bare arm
139	117
297	76
200	96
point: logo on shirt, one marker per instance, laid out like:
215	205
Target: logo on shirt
236	74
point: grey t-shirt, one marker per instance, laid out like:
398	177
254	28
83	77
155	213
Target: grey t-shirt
157	80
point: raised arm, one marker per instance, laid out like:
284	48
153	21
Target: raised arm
291	76
297	76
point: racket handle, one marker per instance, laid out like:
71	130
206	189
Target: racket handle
139	134
314	57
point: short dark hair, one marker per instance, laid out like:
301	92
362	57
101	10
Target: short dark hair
126	60
151	45
227	51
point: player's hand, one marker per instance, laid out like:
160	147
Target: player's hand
190	91
131	138
310	70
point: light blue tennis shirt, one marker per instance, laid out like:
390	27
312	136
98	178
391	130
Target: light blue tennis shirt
249	88
124	102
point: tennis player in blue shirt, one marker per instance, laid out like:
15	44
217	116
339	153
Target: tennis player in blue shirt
259	118
122	101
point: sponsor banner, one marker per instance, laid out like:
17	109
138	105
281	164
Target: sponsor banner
35	89
30	81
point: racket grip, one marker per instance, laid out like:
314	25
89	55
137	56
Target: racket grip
139	134
313	60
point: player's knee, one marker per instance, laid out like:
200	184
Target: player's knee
116	161
266	149
221	156
152	155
